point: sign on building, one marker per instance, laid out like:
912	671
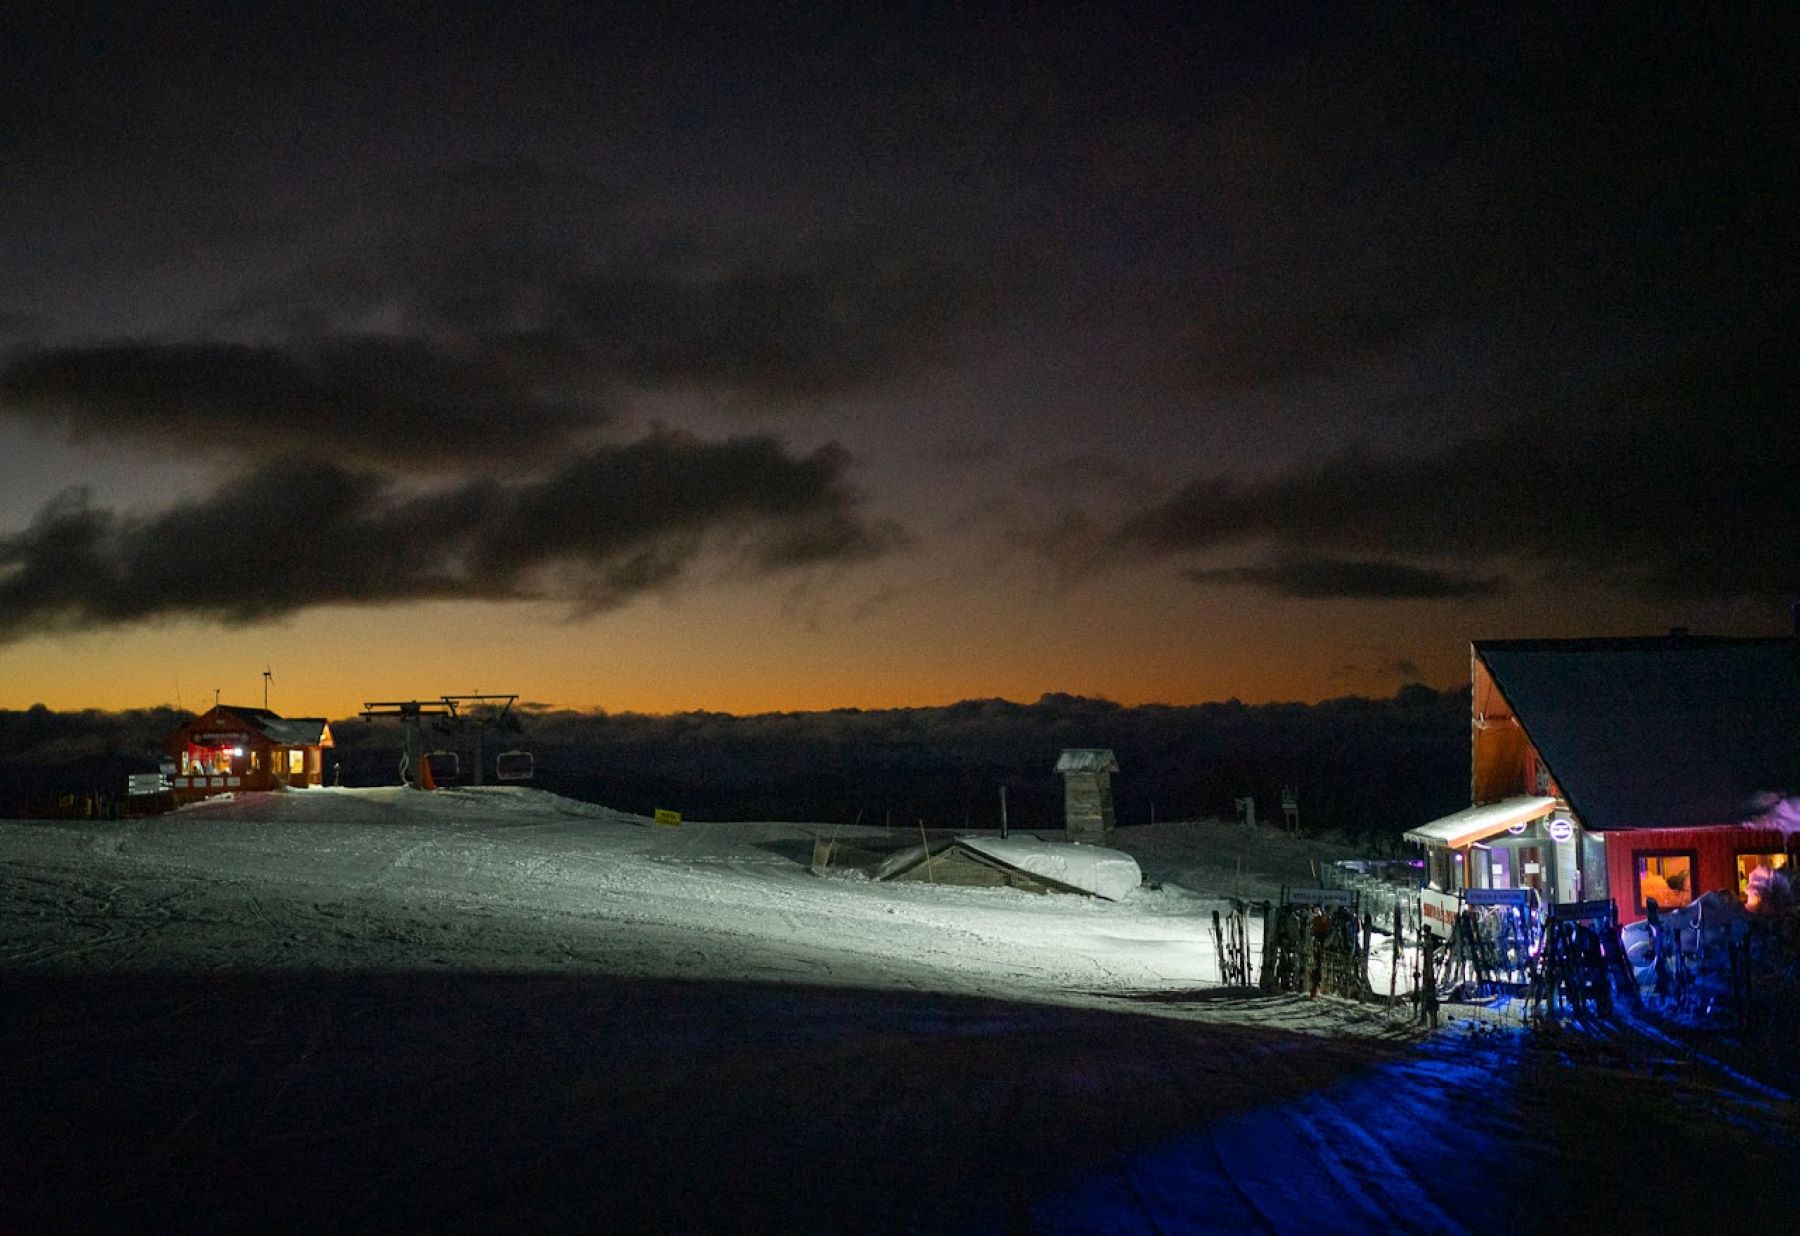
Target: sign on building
1519	898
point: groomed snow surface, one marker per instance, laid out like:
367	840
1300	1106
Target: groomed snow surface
377	1009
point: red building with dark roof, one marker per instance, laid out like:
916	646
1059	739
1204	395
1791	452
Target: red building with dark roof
1624	768
231	748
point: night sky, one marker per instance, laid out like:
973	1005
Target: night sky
880	356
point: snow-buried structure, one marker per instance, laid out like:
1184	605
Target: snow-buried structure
1017	862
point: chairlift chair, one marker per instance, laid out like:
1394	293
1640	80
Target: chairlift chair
445	766
514	766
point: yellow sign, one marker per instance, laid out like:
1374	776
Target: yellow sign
670	818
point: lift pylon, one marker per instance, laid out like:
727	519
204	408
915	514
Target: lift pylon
412	715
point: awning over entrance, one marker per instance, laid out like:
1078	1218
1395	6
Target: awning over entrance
1474	823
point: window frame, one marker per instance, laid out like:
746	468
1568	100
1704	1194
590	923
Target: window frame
1737	869
1637	875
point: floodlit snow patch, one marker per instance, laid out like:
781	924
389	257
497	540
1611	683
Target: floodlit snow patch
517	879
365	983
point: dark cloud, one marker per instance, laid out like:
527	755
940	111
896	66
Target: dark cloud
1410	172
297	534
767	334
1061	511
514	366
448	316
1315	577
622	291
1401	669
1675	486
366	399
15	328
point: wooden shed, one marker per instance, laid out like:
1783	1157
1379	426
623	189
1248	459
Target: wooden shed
1087	793
232	748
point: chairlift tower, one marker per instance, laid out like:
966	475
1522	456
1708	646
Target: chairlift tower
498	715
447	709
412	714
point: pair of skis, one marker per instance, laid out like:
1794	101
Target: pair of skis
1232	947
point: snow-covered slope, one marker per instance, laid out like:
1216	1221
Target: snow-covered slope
518	879
499	1010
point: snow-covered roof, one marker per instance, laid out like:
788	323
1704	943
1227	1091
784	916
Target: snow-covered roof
1669	732
1091	868
1087	759
1473	823
291	731
1061	865
282	731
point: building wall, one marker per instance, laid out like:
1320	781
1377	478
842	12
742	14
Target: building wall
1500	758
263	766
1501	761
1711	852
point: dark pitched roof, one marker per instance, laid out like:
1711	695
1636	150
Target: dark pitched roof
1668	732
284	731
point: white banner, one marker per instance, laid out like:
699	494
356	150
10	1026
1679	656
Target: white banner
1438	911
1320	897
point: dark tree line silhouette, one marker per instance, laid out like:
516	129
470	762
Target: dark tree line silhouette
1368	768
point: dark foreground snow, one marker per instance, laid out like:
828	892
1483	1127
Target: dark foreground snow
384	1017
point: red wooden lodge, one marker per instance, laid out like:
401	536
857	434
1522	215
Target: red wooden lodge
231	749
1625	768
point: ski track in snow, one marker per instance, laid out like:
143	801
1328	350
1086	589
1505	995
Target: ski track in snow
697	1003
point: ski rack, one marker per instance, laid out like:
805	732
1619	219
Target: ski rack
1321	944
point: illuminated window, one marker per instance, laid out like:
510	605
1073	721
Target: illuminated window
1666	877
1749	864
296	761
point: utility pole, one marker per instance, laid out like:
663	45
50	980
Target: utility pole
1003	810
267	678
